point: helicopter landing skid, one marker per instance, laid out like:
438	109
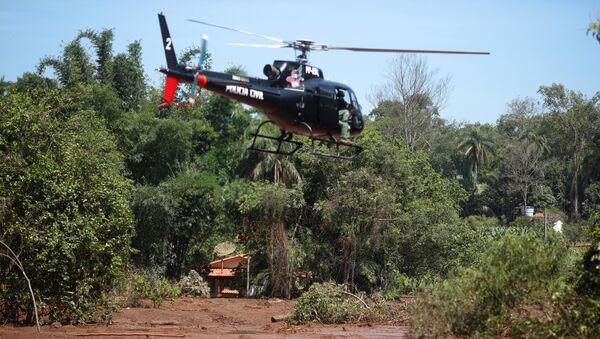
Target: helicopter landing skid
284	139
343	149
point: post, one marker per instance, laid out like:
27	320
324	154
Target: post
248	278
545	229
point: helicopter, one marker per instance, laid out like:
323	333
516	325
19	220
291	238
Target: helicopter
295	95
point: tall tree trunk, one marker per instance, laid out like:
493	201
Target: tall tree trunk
574	190
279	261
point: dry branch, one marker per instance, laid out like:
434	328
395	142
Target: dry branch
17	262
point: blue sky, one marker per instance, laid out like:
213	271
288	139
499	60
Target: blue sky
532	43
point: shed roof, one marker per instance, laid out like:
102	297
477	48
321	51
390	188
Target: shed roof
221	272
230	262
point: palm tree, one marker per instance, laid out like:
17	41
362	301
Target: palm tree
535	144
477	148
275	168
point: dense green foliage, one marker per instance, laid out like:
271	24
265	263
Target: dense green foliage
175	222
513	275
64	205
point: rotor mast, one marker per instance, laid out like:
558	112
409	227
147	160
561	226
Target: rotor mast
304	46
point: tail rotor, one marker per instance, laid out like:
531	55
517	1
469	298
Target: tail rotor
176	73
193	95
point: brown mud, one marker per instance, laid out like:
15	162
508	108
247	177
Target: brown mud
207	318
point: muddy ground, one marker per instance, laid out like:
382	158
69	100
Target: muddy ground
207	318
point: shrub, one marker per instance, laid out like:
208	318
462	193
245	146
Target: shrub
525	225
326	303
576	232
193	285
330	303
514	276
136	285
575	313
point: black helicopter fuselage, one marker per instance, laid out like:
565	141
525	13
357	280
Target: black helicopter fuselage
296	95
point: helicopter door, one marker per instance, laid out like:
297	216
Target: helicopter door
328	113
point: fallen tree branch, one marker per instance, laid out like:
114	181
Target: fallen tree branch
165	323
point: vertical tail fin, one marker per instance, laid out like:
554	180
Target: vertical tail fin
167	42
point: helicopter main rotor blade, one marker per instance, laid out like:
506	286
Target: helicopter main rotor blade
238	30
393	50
259	45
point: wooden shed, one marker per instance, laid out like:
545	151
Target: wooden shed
224	270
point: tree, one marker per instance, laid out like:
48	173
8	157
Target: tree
64	205
355	212
155	149
408	104
102	42
176	222
4	86
281	171
574	117
74	67
381	220
124	73
276	168
525	167
519	118
267	207
128	77
476	147
444	156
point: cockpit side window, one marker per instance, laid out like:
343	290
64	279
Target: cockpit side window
342	98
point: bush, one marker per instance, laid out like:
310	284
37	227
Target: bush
326	303
575	313
525	225
330	303
193	285
136	285
577	232
514	277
